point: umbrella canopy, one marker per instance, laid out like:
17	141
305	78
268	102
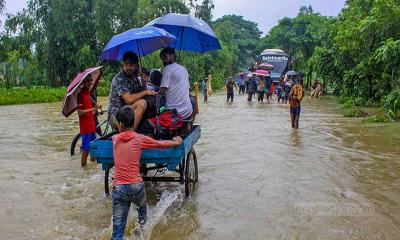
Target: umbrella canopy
70	103
266	66
261	72
291	73
141	41
192	34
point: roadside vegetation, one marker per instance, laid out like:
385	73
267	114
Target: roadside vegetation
355	53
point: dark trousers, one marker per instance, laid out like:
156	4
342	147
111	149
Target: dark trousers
250	96
260	96
205	95
229	95
242	88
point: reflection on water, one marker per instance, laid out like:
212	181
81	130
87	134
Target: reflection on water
295	139
334	178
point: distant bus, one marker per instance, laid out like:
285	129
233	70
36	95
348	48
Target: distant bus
278	58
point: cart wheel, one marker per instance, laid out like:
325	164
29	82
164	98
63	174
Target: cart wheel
195	165
76	144
181	167
190	173
106	187
108	177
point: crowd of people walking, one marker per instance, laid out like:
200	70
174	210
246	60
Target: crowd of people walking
287	89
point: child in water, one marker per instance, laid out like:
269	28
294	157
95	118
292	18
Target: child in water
87	124
128	186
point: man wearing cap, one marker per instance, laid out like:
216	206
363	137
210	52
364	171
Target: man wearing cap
175	84
126	89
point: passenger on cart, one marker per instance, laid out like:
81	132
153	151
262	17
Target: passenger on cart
175	84
126	89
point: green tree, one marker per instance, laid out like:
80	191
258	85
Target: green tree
113	17
244	35
203	10
2	6
298	36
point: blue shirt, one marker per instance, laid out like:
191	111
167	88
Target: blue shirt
204	86
240	80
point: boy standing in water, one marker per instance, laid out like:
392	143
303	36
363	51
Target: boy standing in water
204	88
295	97
128	186
86	119
229	89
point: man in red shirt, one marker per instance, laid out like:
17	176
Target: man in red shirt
86	119
128	184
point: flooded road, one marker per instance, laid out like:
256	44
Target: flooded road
334	178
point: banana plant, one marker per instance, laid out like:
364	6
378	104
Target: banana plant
392	112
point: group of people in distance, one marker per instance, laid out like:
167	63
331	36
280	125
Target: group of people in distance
131	99
255	84
288	89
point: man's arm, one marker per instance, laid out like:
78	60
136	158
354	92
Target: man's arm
163	91
130	98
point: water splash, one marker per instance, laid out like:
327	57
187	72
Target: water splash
155	214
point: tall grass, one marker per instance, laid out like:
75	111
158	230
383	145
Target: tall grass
37	95
30	95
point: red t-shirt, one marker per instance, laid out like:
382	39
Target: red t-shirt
127	147
86	122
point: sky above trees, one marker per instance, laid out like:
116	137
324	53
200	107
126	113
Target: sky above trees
265	13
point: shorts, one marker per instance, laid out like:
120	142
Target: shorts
296	111
86	139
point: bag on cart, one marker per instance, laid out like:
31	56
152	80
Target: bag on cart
167	124
164	125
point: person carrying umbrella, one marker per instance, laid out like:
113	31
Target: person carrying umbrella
126	89
80	96
86	112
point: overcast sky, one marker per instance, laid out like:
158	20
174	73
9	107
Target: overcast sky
265	13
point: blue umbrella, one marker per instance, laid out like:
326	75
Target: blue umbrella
141	41
192	34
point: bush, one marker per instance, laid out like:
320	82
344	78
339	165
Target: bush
347	104
375	119
355	113
392	103
103	91
33	95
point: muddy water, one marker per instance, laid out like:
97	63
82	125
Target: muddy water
334	178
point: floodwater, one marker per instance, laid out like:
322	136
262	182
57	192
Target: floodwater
334	178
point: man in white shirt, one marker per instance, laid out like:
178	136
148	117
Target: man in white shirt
175	84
